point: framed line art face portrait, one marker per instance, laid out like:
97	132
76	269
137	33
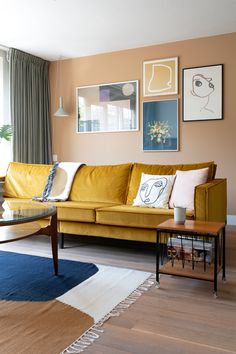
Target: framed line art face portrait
160	125
203	93
160	77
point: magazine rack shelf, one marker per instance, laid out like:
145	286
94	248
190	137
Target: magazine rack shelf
197	273
194	250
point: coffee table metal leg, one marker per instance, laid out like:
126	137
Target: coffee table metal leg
54	242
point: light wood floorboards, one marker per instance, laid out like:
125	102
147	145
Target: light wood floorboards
180	317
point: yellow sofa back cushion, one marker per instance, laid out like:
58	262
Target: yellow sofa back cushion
107	183
25	180
139	168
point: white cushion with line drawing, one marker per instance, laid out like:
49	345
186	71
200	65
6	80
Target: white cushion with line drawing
154	191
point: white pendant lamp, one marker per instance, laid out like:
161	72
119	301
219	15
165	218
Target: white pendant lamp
60	112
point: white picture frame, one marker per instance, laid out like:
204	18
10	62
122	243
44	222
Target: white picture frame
111	107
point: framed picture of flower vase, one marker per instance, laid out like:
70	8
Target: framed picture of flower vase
160	125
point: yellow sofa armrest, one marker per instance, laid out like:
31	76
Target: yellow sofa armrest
210	201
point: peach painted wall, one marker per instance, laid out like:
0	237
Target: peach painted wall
199	141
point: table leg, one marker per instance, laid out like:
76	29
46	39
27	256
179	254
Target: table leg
223	255
54	242
157	259
216	265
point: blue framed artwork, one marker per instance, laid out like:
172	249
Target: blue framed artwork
160	125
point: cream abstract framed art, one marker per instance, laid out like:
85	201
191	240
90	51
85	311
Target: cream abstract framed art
160	77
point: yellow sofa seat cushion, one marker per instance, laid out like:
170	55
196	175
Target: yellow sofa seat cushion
131	216
25	180
108	184
78	211
139	168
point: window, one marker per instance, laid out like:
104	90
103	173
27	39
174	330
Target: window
5	146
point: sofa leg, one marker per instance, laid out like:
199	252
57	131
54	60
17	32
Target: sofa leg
61	240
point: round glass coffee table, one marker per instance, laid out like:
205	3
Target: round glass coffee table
18	221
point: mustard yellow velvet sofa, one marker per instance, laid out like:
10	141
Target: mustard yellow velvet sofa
100	202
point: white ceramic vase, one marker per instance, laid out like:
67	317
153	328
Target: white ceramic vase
179	215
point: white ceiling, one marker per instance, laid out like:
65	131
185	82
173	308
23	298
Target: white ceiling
73	28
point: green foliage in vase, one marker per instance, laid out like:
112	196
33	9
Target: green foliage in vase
6	132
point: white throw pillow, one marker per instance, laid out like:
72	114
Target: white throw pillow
154	191
183	191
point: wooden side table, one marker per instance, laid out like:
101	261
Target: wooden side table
193	231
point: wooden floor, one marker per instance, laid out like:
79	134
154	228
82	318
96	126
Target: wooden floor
180	317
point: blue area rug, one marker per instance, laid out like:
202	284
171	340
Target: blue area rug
31	278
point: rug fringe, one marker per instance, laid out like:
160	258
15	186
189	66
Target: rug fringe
94	332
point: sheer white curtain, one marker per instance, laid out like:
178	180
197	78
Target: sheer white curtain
5	146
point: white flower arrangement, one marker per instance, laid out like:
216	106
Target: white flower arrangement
159	131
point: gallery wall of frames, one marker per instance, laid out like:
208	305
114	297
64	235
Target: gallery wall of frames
114	107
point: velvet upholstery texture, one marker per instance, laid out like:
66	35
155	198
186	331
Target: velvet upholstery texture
97	203
108	184
79	211
25	180
108	231
210	201
134	216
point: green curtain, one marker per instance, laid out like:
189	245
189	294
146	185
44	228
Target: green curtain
29	101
